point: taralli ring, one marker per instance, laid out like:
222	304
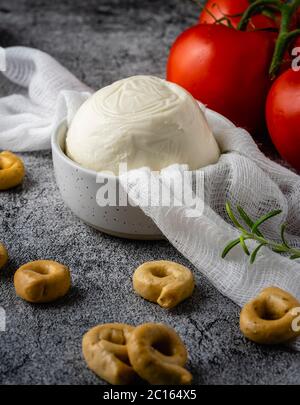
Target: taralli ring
164	282
105	351
3	256
268	318
158	355
12	170
42	281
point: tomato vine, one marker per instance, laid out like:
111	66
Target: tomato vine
285	36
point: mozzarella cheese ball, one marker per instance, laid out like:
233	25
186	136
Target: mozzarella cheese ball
140	121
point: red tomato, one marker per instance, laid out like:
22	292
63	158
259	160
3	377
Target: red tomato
283	116
225	69
232	9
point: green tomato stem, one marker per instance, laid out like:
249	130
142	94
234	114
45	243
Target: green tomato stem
293	34
284	37
255	8
287	11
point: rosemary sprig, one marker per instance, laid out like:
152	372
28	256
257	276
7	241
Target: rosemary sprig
253	232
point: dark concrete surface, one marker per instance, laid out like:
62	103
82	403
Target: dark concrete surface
101	41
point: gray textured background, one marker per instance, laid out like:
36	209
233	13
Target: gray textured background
101	41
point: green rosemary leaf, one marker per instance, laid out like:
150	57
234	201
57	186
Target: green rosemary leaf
264	218
245	216
257	236
279	249
244	246
282	233
230	245
233	218
255	251
247	219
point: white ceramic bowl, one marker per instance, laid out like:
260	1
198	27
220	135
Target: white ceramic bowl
78	187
